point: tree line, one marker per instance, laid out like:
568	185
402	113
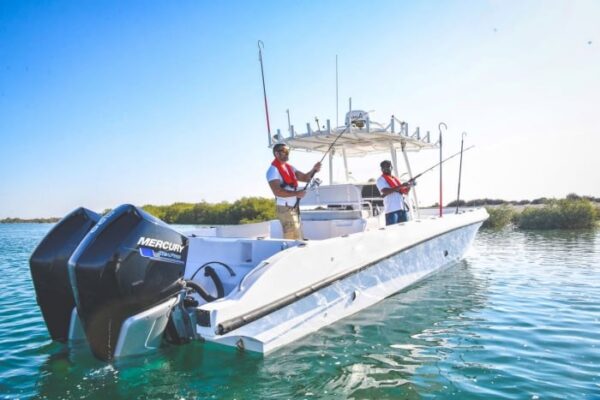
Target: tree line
497	202
243	211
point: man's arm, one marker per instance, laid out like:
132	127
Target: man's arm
305	177
387	191
281	192
403	189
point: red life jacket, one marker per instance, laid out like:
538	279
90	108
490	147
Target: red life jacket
394	182
287	173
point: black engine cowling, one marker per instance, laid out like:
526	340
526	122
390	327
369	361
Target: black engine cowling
48	265
129	262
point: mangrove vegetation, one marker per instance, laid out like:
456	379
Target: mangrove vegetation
28	221
243	211
572	212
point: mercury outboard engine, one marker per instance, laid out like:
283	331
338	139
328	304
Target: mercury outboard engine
48	265
127	272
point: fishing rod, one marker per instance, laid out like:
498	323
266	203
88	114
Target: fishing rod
261	45
414	178
441	191
297	205
462	140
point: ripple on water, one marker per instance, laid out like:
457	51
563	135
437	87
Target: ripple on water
517	319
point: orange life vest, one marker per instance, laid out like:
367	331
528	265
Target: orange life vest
287	173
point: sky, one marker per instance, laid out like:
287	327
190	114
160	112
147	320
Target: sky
155	102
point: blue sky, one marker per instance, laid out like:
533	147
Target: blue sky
104	103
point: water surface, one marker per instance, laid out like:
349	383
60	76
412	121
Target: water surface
519	318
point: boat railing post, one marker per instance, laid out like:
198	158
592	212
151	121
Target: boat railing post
417	134
368	124
345	164
415	208
394	157
328	127
441	162
308	130
392	126
350	115
292	133
331	167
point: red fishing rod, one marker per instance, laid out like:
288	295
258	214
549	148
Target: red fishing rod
261	45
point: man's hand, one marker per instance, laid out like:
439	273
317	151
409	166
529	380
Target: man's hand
316	168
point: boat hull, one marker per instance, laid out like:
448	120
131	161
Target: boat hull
345	294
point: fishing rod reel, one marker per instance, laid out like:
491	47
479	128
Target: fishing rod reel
314	183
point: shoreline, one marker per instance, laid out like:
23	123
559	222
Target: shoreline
51	220
258	209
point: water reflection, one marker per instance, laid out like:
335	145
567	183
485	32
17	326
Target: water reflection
519	318
413	329
375	353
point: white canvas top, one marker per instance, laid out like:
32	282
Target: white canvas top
360	138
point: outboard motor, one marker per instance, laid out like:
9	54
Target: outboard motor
48	265
129	266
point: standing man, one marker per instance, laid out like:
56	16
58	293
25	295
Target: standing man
283	180
392	191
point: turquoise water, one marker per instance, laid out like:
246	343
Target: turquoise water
519	318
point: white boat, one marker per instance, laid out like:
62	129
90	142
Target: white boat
133	281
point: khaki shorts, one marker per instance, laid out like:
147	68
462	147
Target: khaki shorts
290	222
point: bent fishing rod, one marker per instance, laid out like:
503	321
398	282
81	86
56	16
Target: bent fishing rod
414	178
297	205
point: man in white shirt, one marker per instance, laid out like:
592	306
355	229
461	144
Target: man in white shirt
283	180
392	191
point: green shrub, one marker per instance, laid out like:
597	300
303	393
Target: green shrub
560	214
500	217
245	210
